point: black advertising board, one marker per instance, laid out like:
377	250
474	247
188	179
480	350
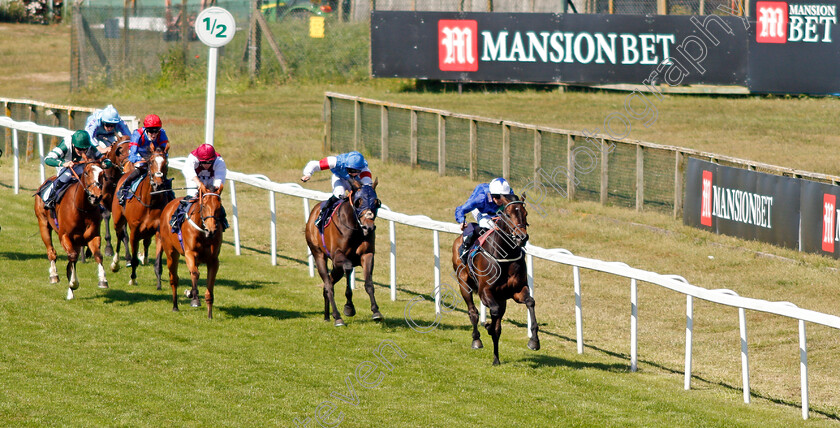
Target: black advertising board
820	233
793	47
571	48
742	203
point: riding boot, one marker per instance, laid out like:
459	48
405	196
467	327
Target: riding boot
324	208
469	238
49	197
179	215
123	193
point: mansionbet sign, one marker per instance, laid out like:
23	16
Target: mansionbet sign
542	47
782	22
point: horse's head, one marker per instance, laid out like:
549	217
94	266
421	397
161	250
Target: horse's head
93	180
513	219
366	205
211	212
158	167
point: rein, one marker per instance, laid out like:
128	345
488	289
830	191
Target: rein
82	184
192	223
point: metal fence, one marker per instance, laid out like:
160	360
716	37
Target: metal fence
361	8
596	167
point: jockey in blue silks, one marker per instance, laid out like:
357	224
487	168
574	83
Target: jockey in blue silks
103	126
346	166
144	141
484	203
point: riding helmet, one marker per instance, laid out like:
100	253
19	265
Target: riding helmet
81	139
500	186
205	153
110	115
152	121
355	160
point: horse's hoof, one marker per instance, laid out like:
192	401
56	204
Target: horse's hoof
109	252
339	323
158	287
132	281
128	264
70	294
534	345
377	316
74	285
115	267
477	344
54	280
103	284
349	310
496	362
195	303
175	309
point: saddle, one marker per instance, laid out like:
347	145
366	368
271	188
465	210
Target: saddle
328	211
59	193
180	215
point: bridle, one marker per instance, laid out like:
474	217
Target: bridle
203	227
94	200
517	240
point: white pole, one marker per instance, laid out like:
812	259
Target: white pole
273	228
634	325
745	358
803	368
211	100
352	279
482	311
309	257
437	270
392	236
578	311
529	269
16	161
41	155
235	217
689	336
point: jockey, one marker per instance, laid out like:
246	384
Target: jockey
483	203
102	127
67	156
204	169
346	166
144	141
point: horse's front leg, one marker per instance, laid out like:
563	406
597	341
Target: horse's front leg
72	258
172	265
329	294
494	327
342	265
158	256
524	296
46	236
367	264
135	247
212	268
467	285
106	218
192	265
93	245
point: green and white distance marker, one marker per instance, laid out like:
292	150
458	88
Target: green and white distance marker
215	27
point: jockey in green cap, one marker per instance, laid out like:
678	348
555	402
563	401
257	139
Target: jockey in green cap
69	156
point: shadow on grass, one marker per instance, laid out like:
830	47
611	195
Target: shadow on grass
8	255
234	284
115	296
278	314
540	360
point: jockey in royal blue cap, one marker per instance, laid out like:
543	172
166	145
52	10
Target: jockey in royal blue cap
484	203
346	166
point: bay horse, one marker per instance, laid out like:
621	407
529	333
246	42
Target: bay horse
117	154
200	241
142	211
78	216
348	241
496	271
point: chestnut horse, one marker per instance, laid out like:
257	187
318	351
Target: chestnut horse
200	242
117	154
142	212
348	240
78	216
496	271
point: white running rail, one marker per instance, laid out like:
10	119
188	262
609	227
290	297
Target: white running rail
672	282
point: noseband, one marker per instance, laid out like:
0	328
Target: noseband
203	228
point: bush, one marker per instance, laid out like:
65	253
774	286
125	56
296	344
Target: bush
12	11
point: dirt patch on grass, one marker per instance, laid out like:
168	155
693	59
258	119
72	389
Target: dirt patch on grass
59	76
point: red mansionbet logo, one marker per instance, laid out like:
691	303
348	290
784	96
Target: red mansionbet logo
458	45
829	207
772	22
706	204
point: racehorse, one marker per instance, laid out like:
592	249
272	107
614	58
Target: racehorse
141	213
76	222
117	154
348	240
496	271
200	241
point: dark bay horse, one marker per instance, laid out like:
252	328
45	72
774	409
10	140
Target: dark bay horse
78	216
142	212
348	240
117	154
200	242
496	271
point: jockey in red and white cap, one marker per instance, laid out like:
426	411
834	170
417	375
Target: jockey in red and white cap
204	168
